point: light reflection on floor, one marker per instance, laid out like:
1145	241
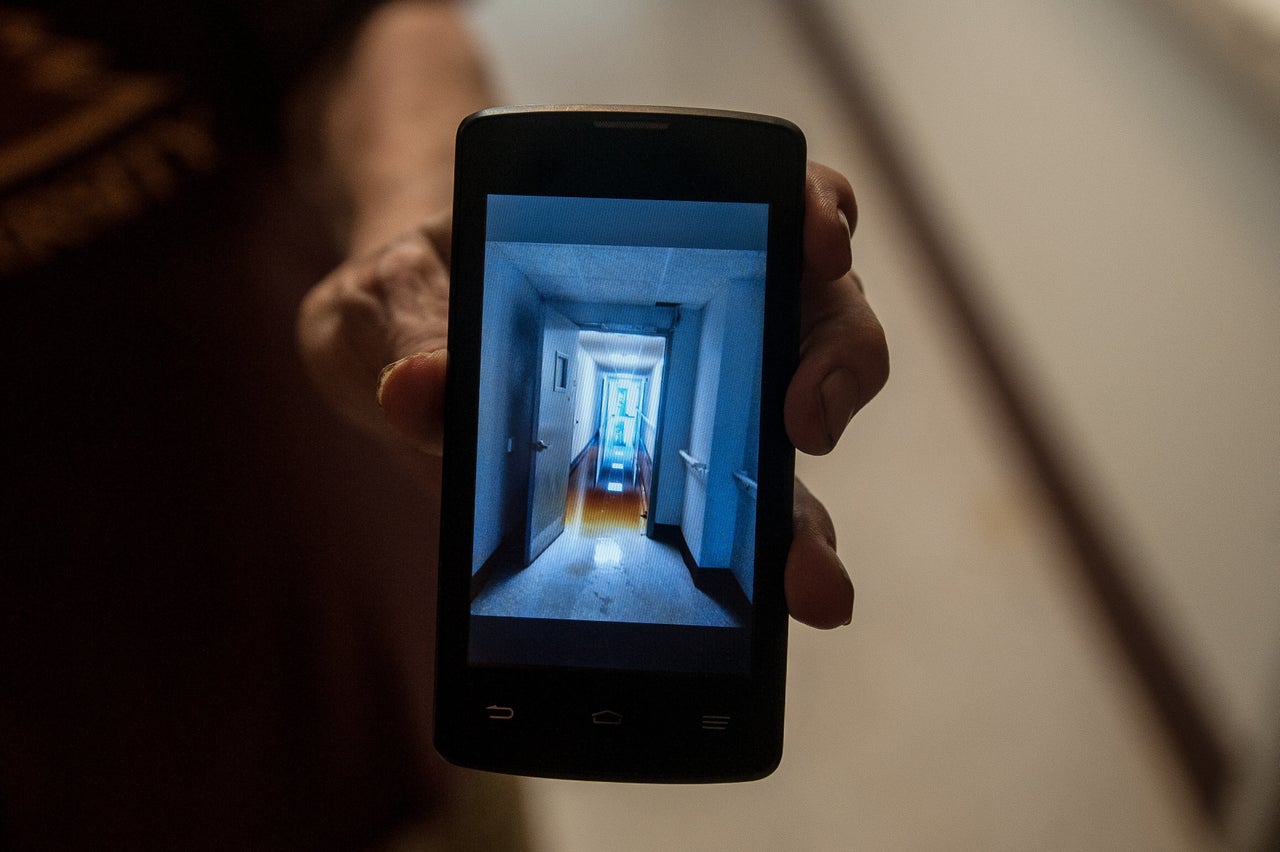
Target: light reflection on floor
603	568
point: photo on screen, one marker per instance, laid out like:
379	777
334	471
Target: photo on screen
618	435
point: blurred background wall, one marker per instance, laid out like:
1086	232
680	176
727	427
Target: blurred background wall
1063	515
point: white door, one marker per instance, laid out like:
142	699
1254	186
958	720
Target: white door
552	434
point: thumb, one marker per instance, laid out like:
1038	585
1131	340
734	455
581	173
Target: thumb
411	393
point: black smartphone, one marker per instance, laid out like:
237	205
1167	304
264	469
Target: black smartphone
617	480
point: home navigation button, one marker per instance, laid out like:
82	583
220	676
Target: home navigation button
606	717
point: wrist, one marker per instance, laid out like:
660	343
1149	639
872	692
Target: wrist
413	75
381	215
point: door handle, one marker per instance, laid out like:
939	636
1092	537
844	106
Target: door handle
541	445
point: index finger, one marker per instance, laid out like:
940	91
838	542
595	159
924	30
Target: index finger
830	215
844	359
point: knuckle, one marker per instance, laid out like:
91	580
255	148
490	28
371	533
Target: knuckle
406	262
338	315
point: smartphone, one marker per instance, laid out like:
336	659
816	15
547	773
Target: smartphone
617	480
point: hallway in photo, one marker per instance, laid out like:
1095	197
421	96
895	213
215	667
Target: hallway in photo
604	568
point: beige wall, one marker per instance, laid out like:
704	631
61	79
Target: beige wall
1123	215
1120	203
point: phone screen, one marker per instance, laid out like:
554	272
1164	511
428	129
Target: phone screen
618	438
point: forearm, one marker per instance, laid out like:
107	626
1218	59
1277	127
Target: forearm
389	119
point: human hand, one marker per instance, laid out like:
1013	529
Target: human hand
373	336
373	333
844	362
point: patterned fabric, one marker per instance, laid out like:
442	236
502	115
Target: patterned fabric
83	147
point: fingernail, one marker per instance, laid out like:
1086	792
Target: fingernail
844	220
852	595
386	371
839	396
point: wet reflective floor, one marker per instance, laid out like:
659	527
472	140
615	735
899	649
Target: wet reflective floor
603	567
